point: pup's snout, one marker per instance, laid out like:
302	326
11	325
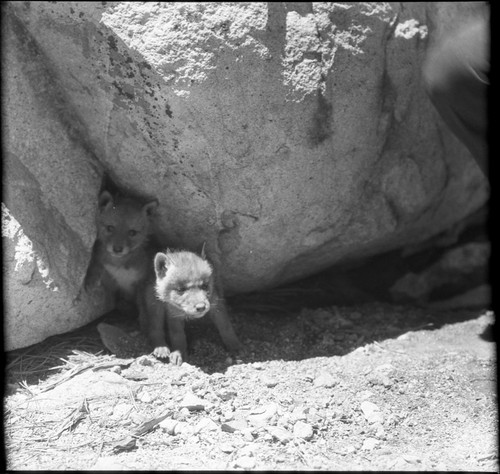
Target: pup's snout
200	307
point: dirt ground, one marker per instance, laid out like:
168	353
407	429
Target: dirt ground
370	387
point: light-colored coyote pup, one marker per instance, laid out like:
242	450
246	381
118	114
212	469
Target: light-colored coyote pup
185	288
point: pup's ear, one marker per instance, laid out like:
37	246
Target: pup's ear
161	265
150	207
104	201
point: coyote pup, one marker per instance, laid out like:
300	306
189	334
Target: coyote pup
123	254
185	288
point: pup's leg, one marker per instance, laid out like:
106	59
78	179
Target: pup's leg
177	335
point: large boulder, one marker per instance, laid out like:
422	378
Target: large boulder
288	136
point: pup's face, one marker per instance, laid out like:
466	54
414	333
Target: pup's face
123	224
184	280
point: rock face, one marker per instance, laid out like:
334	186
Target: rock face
288	136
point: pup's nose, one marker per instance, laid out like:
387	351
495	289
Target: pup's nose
117	249
200	307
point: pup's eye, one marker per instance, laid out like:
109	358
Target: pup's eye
181	289
204	286
110	228
132	233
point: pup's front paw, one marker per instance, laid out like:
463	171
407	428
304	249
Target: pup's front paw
161	352
176	358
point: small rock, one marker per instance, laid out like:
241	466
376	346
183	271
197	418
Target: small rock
398	464
351	449
247	434
411	458
385	451
121	411
380	431
461	418
270	382
245	462
369	444
226	394
168	425
145	360
267	437
380	379
364	394
137	418
325	380
183	428
280	434
205	424
192	402
216	376
196	385
235	425
299	413
144	397
261	415
226	448
371	412
284	420
108	464
183	414
303	430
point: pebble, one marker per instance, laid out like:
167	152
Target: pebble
183	414
247	434
280	458
261	416
247	450
269	382
380	433
234	425
280	434
226	448
398	464
226	394
197	385
303	430
299	413
364	394
411	458
168	425
137	418
108	464
121	410
369	444
145	360
192	402
145	397
183	428
206	424
371	412
350	449
325	380
245	462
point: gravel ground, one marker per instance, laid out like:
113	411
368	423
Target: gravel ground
373	387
